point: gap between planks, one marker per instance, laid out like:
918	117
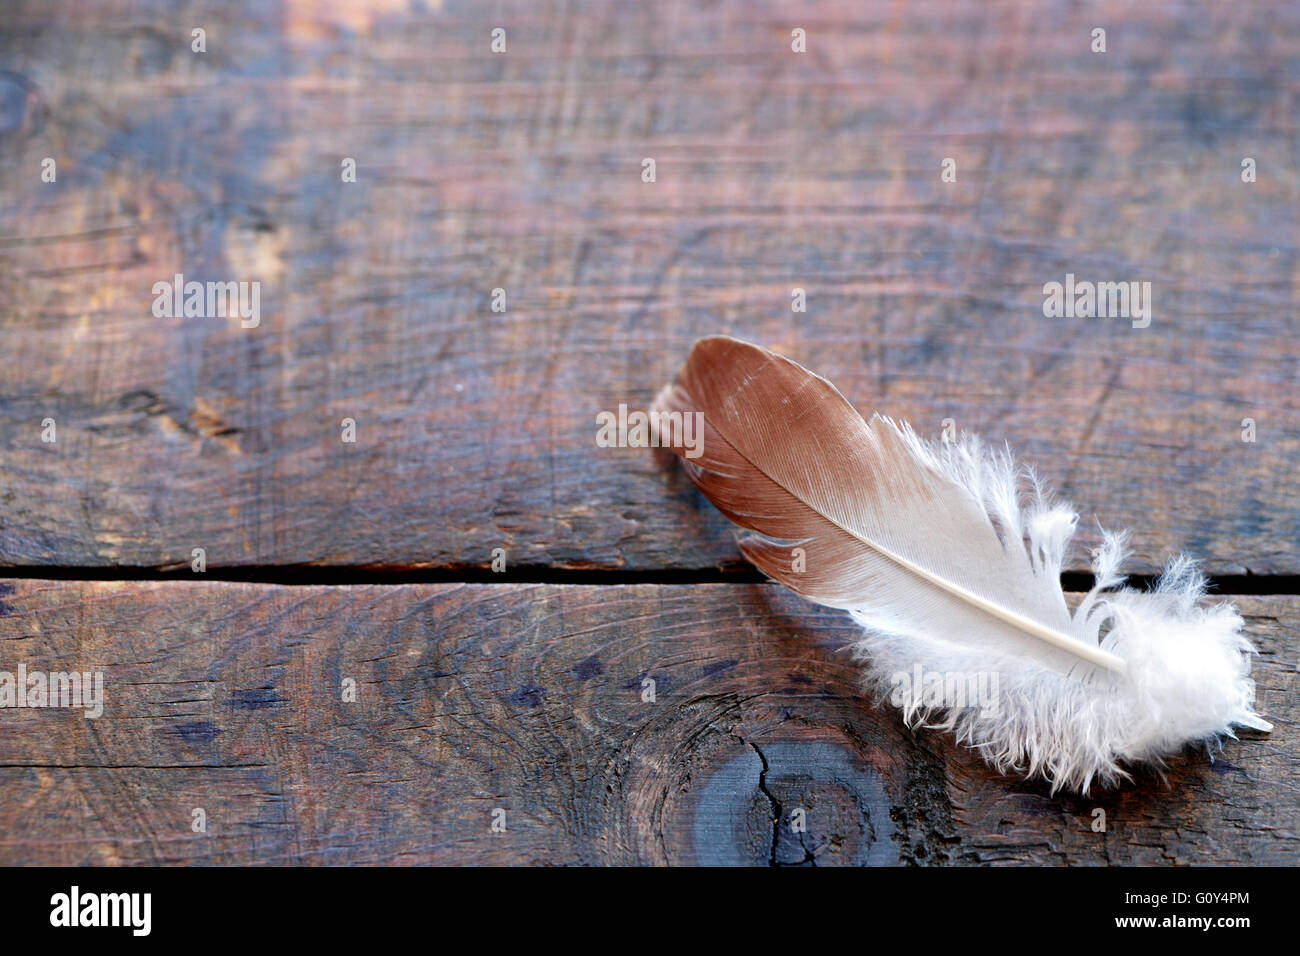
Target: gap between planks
318	576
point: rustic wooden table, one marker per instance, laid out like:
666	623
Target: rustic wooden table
503	717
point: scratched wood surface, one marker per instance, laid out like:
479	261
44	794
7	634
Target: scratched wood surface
531	699
475	429
522	171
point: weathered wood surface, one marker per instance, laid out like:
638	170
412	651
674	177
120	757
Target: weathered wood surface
522	171
226	697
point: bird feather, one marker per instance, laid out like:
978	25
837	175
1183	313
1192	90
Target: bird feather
949	554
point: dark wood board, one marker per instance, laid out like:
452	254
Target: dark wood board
529	698
522	171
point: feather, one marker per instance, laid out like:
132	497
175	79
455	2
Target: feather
949	554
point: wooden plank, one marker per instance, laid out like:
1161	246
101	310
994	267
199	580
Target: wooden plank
226	697
522	171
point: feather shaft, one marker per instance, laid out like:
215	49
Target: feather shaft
1087	652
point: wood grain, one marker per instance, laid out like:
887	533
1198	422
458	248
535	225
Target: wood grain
522	171
226	697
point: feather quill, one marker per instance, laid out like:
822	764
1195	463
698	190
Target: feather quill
949	554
